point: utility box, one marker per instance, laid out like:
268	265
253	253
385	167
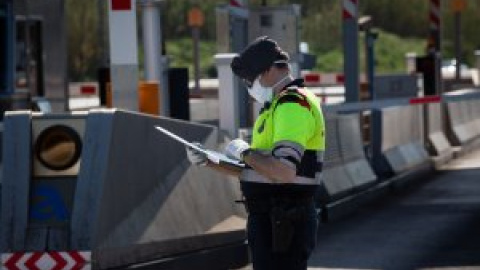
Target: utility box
428	66
281	23
395	86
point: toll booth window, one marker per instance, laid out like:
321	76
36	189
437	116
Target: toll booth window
20	56
266	20
58	147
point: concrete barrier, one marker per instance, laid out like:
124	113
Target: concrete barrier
463	128
348	176
398	140
437	143
168	203
352	151
135	197
336	180
458	123
346	170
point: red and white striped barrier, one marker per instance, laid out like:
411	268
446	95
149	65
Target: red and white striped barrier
317	79
435	18
239	8
237	3
83	89
434	15
349	9
88	89
72	260
461	95
326	79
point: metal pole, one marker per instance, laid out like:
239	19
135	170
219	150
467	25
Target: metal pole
151	40
477	65
370	42
196	58
123	55
435	17
458	45
153	65
101	33
10	49
239	26
350	47
27	46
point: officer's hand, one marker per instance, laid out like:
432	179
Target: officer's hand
195	157
235	148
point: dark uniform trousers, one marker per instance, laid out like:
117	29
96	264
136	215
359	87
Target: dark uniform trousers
303	222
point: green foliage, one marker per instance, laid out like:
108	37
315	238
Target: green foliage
321	28
84	51
390	53
331	61
180	53
407	18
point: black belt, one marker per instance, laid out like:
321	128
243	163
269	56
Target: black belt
265	205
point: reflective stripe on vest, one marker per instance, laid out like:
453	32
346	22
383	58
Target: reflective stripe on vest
250	175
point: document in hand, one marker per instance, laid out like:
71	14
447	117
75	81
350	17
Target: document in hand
213	156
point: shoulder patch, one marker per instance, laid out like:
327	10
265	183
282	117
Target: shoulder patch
293	95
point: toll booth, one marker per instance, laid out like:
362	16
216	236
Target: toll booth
236	27
29	64
282	23
33	60
9	97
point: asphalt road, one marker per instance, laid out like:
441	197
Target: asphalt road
433	224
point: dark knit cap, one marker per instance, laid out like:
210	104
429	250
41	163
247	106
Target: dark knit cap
257	58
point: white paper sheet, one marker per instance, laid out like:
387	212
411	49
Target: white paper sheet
213	156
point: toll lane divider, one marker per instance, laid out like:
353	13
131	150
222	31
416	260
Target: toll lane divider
138	198
436	141
461	95
397	140
134	198
335	179
464	128
398	149
440	137
352	151
346	169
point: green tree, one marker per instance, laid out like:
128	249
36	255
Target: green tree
83	44
321	27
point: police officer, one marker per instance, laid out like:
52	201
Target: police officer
283	162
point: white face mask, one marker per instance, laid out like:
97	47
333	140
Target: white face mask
261	93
